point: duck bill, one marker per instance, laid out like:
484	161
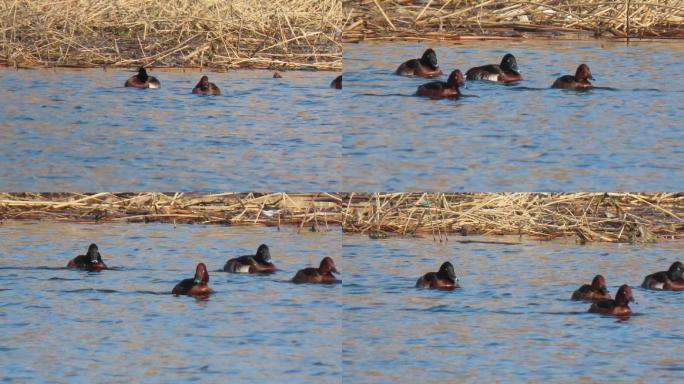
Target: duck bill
603	290
334	270
591	78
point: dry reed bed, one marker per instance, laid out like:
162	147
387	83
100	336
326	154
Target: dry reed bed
313	211
608	217
468	19
291	34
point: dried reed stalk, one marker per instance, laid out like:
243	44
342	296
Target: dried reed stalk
178	33
456	19
611	217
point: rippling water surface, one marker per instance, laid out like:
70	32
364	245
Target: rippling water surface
512	320
626	135
117	326
81	130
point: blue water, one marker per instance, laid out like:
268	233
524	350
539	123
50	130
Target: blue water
81	130
122	325
627	135
512	320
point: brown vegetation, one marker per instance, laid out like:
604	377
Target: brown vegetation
295	34
610	217
607	217
315	211
468	19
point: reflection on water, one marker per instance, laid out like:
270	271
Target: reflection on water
524	137
512	320
70	130
70	326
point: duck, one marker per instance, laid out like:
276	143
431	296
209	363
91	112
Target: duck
617	307
91	261
426	66
204	87
197	286
597	291
337	83
579	81
505	72
257	263
142	80
445	278
670	280
321	275
438	89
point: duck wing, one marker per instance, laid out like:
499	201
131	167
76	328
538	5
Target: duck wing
311	271
184	286
435	85
583	290
238	263
484	72
656	280
408	67
605	304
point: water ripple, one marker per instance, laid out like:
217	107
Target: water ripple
621	135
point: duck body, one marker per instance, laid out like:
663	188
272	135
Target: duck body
445	278
596	291
440	89
91	261
579	81
257	263
321	275
142	80
505	72
337	83
617	307
204	87
426	66
670	280
197	286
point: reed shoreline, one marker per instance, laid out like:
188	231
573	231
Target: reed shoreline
310	211
586	217
212	34
462	20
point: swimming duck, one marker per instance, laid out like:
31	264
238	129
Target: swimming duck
617	307
426	66
204	87
91	261
579	81
322	274
441	89
337	83
670	280
258	263
505	72
197	286
142	80
595	292
445	278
